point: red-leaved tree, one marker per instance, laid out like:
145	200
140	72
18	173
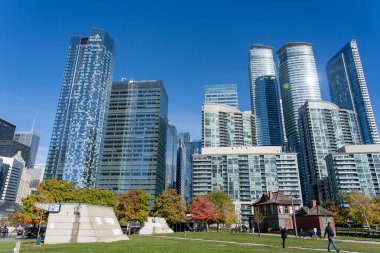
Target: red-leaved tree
203	210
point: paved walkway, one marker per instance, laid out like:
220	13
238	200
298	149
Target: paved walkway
335	239
249	244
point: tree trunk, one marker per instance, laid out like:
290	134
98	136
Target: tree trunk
258	228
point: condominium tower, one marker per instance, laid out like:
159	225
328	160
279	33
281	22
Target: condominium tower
299	82
323	129
135	138
354	168
245	173
76	141
265	97
226	126
348	89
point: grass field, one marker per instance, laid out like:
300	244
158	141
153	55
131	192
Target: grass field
276	241
156	244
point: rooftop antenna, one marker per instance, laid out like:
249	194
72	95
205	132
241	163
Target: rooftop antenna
33	125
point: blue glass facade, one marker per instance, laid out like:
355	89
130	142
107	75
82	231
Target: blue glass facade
135	138
299	82
265	96
222	94
348	89
171	156
268	112
76	141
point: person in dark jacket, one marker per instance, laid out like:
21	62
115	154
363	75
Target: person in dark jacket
283	236
330	235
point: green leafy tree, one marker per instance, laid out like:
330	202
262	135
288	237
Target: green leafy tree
258	218
59	191
224	206
133	206
171	206
376	199
49	191
95	196
362	210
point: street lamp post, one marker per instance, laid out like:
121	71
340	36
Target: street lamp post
294	217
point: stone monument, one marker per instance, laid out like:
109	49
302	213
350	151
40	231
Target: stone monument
155	225
74	222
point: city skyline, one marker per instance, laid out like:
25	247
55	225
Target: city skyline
45	77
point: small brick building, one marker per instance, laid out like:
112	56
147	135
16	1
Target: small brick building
314	217
277	210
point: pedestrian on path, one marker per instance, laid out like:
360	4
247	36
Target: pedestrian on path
283	236
330	235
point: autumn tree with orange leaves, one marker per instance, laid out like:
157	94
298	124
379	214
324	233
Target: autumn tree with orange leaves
203	211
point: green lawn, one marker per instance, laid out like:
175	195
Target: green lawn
145	244
7	246
276	240
156	244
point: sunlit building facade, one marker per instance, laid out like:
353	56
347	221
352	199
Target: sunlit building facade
222	94
75	146
348	89
299	82
245	173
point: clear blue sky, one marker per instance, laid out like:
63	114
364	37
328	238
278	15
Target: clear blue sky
187	44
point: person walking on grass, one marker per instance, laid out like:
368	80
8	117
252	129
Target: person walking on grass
330	236
283	236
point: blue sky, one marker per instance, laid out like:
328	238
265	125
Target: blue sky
186	44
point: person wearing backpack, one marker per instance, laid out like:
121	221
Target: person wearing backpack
330	235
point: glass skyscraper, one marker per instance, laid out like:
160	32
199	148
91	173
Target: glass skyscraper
265	97
299	82
323	129
32	140
222	94
135	138
348	89
76	141
171	156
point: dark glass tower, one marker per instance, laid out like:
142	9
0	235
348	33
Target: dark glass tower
135	138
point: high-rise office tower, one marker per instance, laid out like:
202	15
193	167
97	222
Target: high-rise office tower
171	156
348	89
323	129
32	140
11	169
265	97
268	112
182	169
226	126
185	165
222	94
7	130
299	82
78	130
10	147
135	138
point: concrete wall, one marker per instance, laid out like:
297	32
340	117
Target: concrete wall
82	223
